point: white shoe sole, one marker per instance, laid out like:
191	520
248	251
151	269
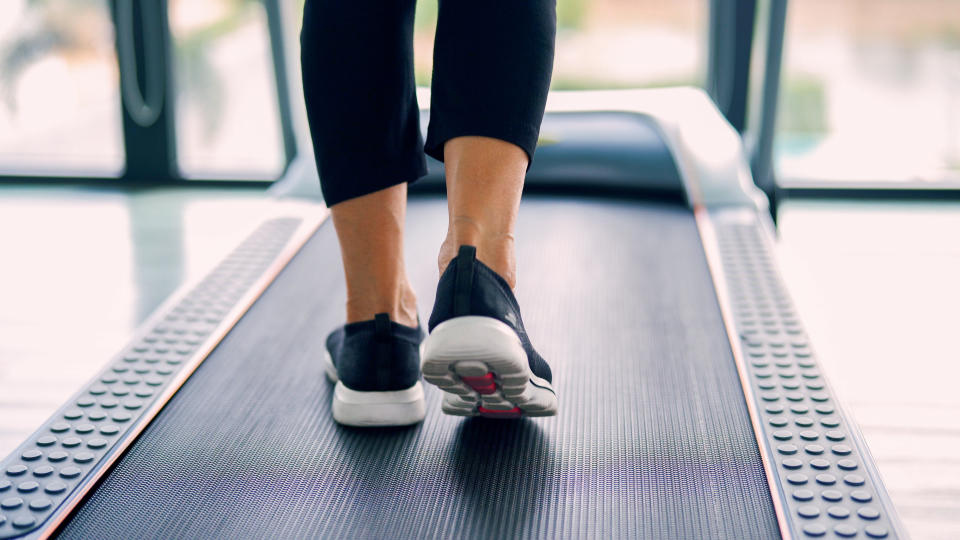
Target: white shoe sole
374	409
481	365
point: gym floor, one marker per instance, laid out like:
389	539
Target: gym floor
875	283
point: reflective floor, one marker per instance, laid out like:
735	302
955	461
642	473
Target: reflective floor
81	268
876	284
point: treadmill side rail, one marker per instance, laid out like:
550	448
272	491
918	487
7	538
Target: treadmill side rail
824	480
51	472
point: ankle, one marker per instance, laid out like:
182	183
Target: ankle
400	306
495	251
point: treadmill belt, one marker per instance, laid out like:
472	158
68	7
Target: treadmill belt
652	439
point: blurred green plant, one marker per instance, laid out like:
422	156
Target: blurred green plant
571	14
567	82
423	77
425	19
803	105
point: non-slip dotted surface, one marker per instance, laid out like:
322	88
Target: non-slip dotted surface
827	482
93	421
652	440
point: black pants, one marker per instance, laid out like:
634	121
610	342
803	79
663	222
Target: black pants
492	63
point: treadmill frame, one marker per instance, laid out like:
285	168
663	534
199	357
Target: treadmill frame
717	183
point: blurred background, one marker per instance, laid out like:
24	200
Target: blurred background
869	95
870	88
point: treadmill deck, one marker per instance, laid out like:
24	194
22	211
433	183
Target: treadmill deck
653	437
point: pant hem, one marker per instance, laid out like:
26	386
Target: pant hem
524	137
342	187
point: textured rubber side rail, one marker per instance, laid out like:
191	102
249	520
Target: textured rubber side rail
823	475
52	470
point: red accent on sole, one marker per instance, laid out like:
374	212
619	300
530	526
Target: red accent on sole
512	413
485	389
483	379
482	385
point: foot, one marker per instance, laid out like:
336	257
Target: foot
478	350
376	367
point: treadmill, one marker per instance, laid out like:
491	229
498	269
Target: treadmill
691	402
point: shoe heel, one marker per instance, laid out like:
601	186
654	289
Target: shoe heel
481	364
372	409
467	349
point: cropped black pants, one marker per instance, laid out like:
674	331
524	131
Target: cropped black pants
492	63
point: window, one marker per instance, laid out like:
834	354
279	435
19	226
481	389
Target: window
59	96
870	92
608	43
228	122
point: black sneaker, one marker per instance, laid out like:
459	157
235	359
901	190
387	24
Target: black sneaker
376	367
478	351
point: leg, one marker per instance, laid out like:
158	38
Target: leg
484	183
357	60
364	120
492	67
370	230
